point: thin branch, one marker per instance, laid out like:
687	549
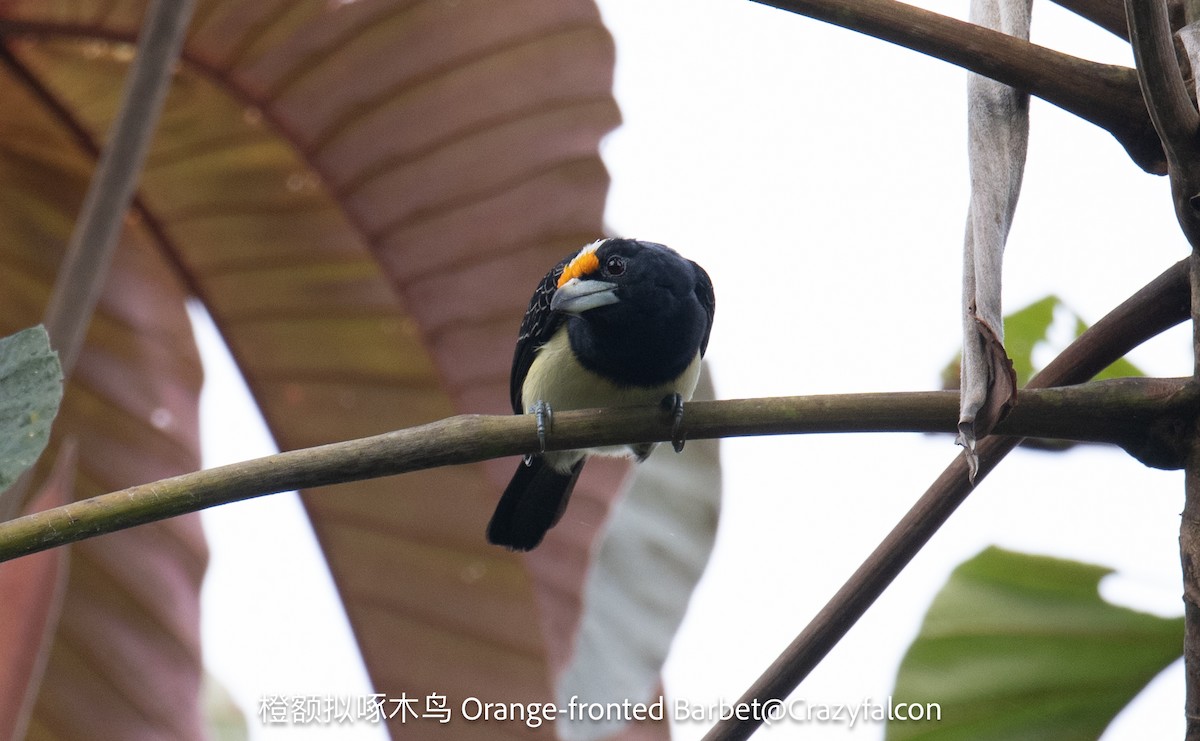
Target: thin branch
1174	116
1105	94
1166	96
1162	304
1130	405
89	252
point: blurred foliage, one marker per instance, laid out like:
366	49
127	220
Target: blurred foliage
1019	646
226	721
30	392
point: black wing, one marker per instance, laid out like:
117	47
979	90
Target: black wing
708	300
536	328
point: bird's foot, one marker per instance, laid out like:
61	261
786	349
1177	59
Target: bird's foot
674	404
544	418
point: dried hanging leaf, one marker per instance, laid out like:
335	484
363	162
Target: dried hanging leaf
998	136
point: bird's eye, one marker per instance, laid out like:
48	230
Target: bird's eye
614	265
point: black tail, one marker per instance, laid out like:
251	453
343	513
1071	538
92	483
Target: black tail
533	502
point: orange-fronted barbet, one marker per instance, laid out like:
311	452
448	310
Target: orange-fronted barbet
620	323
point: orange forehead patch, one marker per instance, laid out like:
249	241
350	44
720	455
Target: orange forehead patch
584	263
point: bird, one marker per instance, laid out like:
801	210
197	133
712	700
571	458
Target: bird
620	323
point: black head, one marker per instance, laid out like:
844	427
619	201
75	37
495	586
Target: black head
639	311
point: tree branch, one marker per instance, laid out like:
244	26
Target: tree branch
1177	121
1162	304
1104	94
1129	406
1108	14
89	252
1171	109
1161	80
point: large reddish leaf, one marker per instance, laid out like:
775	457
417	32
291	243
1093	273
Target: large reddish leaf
363	194
33	592
125	653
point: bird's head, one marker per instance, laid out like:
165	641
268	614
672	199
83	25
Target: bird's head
612	271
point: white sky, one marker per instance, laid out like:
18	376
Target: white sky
820	177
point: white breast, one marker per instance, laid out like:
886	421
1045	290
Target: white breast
557	378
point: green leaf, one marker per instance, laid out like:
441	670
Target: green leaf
1023	646
1027	328
30	391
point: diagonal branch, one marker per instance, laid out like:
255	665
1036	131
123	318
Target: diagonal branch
1108	14
81	278
1162	304
1104	94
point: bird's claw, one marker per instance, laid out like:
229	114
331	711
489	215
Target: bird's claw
674	404
544	418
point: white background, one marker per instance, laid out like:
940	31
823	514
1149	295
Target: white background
820	177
